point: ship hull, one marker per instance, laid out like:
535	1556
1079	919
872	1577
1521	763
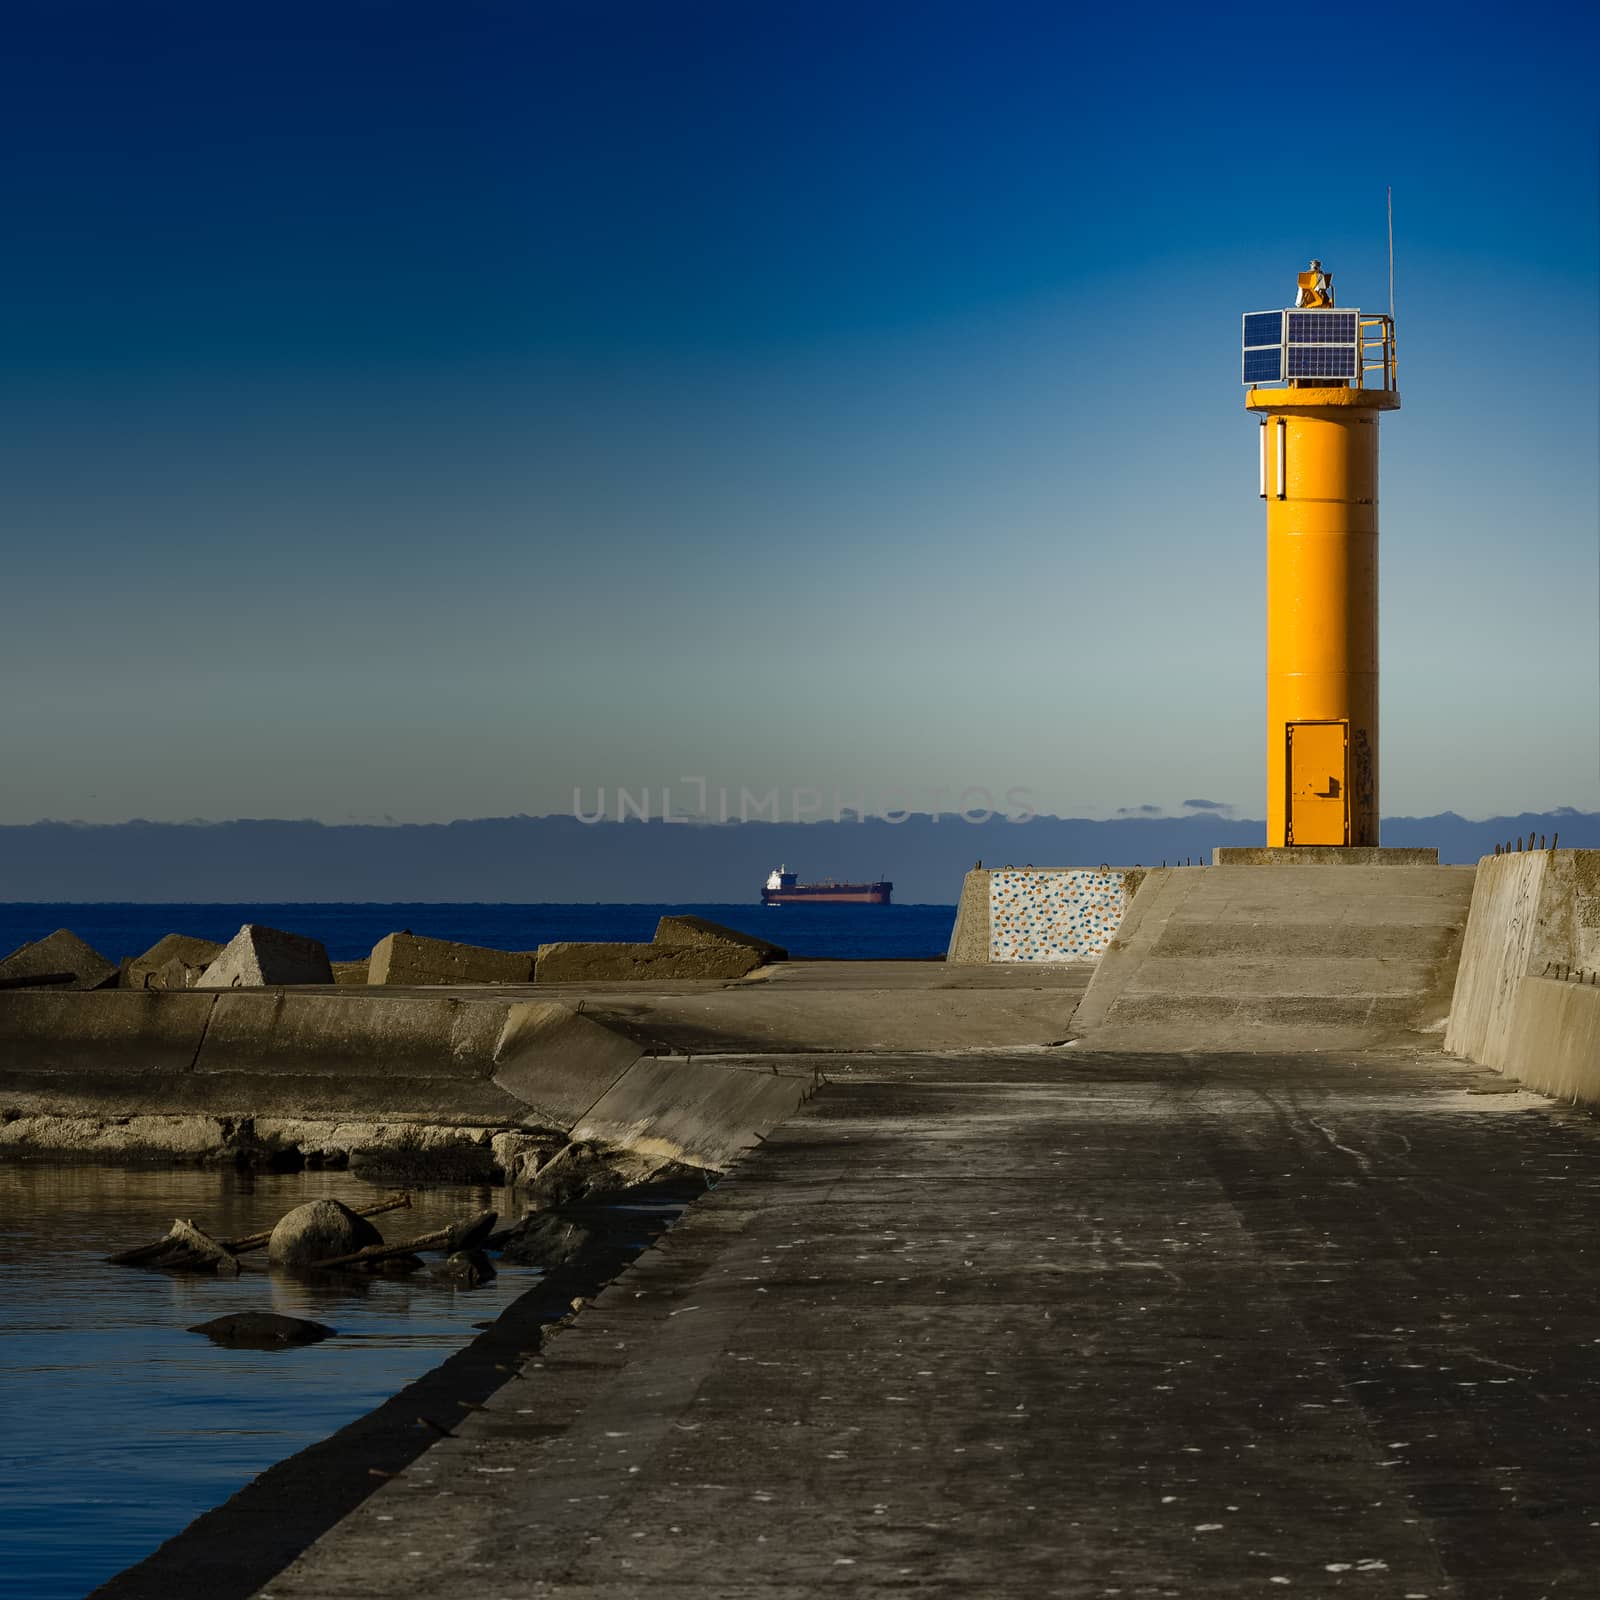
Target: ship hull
831	894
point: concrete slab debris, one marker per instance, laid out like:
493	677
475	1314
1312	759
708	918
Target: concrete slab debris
408	958
259	957
680	930
58	952
614	963
176	961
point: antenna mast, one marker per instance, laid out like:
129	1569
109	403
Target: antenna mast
1391	254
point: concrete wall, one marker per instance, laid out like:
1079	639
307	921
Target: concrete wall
175	1064
1529	909
1039	914
1553	1044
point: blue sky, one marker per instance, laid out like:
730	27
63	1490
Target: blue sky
425	410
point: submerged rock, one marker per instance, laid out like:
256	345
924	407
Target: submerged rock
319	1231
543	1239
392	1266
466	1269
262	1330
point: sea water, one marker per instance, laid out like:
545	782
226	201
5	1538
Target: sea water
830	932
117	1426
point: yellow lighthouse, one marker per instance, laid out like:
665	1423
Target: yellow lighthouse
1319	376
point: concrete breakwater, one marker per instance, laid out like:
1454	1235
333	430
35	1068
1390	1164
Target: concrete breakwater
476	1085
675	1063
684	947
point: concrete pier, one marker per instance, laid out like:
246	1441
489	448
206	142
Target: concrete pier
1054	1325
1019	1302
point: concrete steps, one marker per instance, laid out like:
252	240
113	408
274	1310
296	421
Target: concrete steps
1281	957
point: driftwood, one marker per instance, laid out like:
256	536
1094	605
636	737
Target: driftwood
458	1236
172	1250
187	1249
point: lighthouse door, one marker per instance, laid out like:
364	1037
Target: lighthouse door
1319	783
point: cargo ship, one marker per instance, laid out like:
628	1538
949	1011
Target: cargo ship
785	889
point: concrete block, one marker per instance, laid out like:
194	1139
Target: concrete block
258	957
351	972
105	1051
173	962
701	1113
558	1062
641	963
353	1053
690	930
1553	1044
352	1034
61	951
407	958
1529	910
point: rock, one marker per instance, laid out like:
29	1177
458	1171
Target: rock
544	1239
469	1233
173	962
650	963
318	1231
700	931
520	1155
406	958
427	1155
166	1139
585	1172
257	957
571	1174
262	1330
393	1266
466	1269
61	951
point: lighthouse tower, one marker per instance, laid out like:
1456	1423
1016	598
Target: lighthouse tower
1319	376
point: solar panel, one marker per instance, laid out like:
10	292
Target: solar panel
1262	327
1321	343
1321	361
1264	365
1322	327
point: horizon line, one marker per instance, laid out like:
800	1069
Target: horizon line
855	818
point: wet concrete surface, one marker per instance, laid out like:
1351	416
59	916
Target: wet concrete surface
1065	1325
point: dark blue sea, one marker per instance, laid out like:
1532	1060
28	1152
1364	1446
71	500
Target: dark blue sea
838	933
119	1425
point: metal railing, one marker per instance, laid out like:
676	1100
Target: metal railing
1377	350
